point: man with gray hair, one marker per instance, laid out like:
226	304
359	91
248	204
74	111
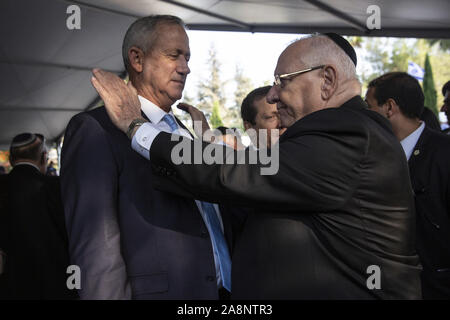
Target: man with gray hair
337	219
130	240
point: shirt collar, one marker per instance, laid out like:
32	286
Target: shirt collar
152	111
410	141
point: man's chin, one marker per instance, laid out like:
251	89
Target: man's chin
176	95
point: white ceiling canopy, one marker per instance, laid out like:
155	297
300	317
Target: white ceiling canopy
45	67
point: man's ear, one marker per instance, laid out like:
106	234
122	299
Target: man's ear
44	157
11	160
247	125
391	108
330	82
136	58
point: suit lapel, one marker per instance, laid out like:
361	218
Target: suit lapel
416	157
181	124
419	147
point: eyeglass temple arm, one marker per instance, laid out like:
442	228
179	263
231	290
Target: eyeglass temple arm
282	76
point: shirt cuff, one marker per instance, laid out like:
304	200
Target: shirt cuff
143	139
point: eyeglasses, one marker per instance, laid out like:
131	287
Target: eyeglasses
280	77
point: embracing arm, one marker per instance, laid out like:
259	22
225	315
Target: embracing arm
317	172
318	167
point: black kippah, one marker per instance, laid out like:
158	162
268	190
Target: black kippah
343	44
23	139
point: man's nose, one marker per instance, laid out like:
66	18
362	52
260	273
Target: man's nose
183	67
272	95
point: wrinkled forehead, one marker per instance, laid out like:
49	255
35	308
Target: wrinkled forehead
170	34
290	59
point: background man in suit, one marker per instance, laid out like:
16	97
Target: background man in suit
399	97
337	219
430	119
33	221
258	114
130	240
446	106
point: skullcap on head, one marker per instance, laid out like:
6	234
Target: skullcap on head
343	44
23	139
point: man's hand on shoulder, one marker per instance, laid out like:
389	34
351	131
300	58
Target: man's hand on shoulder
121	100
197	116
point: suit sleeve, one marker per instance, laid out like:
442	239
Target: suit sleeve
317	171
89	189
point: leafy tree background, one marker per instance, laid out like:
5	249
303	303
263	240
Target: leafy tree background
215	120
393	54
428	87
211	90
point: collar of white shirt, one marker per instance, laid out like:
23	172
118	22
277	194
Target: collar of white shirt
410	141
152	111
155	114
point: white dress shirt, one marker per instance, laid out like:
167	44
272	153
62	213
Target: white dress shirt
410	141
142	142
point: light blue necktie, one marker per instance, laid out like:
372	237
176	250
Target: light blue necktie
218	239
219	243
170	121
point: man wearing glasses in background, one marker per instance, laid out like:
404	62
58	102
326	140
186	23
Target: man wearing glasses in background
337	219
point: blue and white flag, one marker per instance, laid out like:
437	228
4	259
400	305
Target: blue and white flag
415	70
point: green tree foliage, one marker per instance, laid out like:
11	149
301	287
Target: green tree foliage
211	90
429	89
215	119
243	86
444	44
355	41
388	54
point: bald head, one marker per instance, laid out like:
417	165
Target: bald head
318	50
328	86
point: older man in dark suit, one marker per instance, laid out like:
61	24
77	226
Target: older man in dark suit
33	234
336	221
130	240
399	97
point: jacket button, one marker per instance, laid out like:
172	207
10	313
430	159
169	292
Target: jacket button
416	152
210	278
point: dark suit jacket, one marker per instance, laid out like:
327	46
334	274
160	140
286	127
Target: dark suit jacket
340	202
130	240
36	242
429	167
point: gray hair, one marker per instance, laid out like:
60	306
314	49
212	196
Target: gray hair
324	51
143	32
